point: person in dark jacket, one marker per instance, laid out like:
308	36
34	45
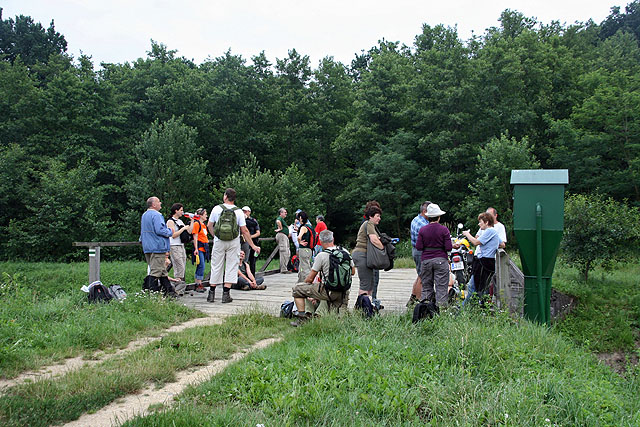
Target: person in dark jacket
434	240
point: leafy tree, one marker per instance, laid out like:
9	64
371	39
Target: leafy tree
492	188
598	231
170	166
29	40
67	206
266	191
599	142
626	22
384	177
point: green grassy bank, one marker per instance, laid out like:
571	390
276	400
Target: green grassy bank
471	369
44	317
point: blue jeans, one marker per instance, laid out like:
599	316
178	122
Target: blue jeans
200	267
471	290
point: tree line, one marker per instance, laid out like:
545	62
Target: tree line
445	119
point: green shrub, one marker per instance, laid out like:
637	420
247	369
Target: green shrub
598	231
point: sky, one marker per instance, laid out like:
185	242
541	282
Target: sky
120	31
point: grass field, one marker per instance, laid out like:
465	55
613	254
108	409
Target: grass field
607	317
65	398
45	318
471	369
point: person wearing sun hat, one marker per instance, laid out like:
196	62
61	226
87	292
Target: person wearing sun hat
434	240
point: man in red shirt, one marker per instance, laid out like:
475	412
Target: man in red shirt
320	226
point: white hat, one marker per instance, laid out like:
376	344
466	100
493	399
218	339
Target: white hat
246	208
434	210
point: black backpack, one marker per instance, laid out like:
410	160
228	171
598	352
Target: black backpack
99	293
339	279
363	303
151	284
184	237
424	309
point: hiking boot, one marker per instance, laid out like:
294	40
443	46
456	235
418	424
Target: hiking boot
212	295
300	319
245	288
412	301
199	288
226	297
261	287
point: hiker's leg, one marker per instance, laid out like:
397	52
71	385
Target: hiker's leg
426	277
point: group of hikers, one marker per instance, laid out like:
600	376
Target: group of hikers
323	267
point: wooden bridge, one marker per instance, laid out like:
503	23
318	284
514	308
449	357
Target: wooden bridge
394	291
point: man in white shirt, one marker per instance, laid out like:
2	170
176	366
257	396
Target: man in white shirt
224	256
502	232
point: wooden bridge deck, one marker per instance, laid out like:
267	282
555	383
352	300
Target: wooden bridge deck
394	291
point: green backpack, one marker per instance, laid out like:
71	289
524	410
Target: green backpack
339	279
226	227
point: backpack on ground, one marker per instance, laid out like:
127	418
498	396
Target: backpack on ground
151	284
339	278
227	227
98	293
424	309
294	264
286	309
363	303
117	292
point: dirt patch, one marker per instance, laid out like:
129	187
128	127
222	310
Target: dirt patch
561	304
619	361
77	362
130	406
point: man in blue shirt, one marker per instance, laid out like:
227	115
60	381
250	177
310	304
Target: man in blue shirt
154	236
416	224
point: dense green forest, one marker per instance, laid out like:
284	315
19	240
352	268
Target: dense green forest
83	145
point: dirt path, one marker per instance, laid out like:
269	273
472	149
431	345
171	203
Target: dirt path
138	404
100	356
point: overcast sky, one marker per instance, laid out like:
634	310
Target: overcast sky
121	30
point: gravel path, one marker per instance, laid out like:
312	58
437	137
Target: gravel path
138	404
77	362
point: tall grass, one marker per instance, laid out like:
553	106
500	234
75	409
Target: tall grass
44	317
65	398
607	317
470	369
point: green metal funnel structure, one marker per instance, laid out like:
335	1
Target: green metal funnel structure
538	222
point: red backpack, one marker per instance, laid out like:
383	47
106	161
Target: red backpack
313	239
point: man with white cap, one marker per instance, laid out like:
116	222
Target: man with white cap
254	230
434	240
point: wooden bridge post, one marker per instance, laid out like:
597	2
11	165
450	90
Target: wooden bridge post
94	264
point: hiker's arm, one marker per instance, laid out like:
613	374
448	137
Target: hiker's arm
250	274
210	226
195	240
472	239
172	226
241	274
311	276
301	233
278	226
376	241
256	234
247	238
